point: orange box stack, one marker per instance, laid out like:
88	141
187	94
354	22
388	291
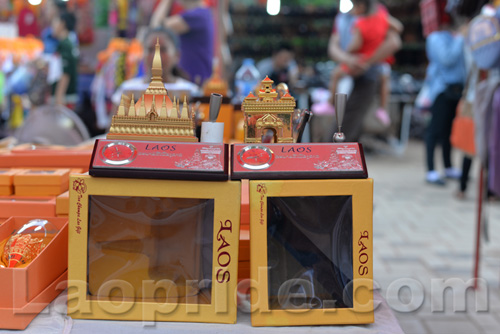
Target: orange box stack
12	206
62	205
61	157
7	181
41	182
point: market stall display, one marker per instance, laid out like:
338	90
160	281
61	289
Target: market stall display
161	248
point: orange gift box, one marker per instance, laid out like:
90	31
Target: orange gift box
41	182
11	206
6	181
197	246
61	158
313	236
62	204
27	291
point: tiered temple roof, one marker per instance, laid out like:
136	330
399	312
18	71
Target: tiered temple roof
154	116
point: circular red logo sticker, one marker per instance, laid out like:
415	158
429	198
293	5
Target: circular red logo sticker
255	157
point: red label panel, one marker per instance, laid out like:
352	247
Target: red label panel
159	155
319	157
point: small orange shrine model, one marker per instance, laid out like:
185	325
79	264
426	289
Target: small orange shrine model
267	112
154	117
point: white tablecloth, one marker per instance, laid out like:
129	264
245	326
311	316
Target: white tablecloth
53	319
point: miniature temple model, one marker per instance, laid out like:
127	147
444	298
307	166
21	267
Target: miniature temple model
154	117
267	112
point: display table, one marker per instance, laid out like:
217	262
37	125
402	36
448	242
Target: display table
54	320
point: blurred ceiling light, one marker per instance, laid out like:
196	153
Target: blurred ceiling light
273	7
345	6
35	2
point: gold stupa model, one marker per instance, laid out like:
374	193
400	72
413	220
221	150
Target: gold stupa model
268	112
154	117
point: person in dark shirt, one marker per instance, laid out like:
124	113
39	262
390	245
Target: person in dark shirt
65	90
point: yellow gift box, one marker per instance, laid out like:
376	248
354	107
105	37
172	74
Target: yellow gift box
153	250
311	252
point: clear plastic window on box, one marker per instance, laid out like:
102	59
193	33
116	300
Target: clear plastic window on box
167	242
310	256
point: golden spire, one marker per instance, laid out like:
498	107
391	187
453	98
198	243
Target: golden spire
121	108
142	108
184	113
173	112
163	110
156	86
131	110
157	70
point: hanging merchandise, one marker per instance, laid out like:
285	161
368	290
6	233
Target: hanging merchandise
27	22
122	10
2	88
85	28
5	10
135	54
19	51
133	18
484	40
101	13
26	243
494	149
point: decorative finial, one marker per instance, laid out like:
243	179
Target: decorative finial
121	108
156	70
142	108
131	110
163	110
173	111
184	113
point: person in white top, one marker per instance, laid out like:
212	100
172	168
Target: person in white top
169	52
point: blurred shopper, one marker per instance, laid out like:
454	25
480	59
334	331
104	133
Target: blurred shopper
445	51
169	53
65	89
195	28
281	67
374	45
51	10
368	32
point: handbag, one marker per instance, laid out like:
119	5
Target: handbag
462	131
